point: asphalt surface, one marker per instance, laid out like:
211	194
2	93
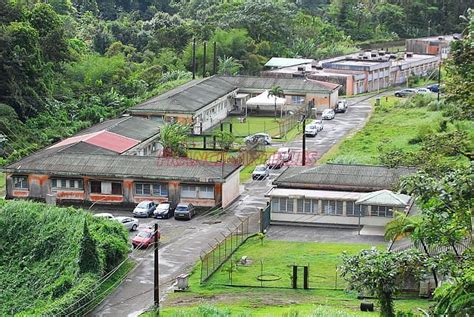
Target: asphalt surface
182	242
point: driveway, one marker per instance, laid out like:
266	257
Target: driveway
183	241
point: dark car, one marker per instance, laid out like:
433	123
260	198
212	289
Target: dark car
433	88
405	92
184	211
144	238
144	209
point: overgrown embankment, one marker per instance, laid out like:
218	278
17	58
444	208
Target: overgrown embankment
40	258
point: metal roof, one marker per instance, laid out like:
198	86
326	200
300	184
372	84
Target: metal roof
131	127
121	166
341	177
104	139
384	198
286	62
187	98
287	84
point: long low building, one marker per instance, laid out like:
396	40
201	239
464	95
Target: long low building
337	194
203	103
71	176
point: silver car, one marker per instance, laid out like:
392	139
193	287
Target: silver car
144	209
128	222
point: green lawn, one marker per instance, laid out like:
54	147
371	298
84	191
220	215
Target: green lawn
391	126
252	125
277	257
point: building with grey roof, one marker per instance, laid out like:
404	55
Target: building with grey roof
70	175
203	103
338	195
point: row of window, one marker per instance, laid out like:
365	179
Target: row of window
328	207
115	188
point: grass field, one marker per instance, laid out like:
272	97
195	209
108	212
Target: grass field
277	257
390	126
252	125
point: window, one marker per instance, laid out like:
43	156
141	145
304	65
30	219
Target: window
142	189
96	187
281	204
160	190
116	188
297	100
20	182
61	183
352	209
307	206
206	192
188	191
381	211
329	207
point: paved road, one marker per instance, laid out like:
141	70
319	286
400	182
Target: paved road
183	241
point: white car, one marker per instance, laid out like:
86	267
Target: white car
328	114
259	137
285	153
311	130
318	124
105	215
423	91
128	222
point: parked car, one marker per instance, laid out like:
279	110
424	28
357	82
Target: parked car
144	209
260	172
128	222
341	106
311	130
405	92
163	210
285	153
318	124
422	91
275	161
184	211
328	114
433	88
105	215
144	238
258	137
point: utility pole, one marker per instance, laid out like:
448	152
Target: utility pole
303	163
439	71
156	285
194	58
204	58
214	64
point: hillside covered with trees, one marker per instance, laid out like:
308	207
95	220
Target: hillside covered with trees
65	65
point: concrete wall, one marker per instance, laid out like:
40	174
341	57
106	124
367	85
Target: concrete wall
231	189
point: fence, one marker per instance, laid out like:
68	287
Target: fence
221	252
265	218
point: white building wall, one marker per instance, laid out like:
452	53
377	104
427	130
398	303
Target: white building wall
231	188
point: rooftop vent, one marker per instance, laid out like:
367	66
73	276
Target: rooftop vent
393	56
301	69
373	54
409	54
319	67
365	57
381	53
441	38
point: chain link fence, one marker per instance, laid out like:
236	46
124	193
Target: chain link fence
212	260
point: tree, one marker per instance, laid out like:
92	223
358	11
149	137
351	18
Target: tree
88	255
225	139
408	226
173	139
456	297
276	91
379	272
228	66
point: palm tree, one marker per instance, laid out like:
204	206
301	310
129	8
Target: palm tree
276	91
404	226
228	66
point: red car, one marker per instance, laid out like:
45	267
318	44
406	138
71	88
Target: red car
275	161
144	238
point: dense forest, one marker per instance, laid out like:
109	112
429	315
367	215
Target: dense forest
67	64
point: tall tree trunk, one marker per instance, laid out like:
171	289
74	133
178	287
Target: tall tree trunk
435	277
275	108
386	304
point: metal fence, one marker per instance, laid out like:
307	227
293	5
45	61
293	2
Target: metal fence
212	260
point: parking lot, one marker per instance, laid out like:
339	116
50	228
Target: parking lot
182	242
